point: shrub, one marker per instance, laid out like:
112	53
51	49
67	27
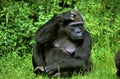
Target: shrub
17	28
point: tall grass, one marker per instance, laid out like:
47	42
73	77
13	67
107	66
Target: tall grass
14	67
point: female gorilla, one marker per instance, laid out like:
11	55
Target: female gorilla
62	45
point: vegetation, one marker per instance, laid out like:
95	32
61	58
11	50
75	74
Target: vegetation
19	19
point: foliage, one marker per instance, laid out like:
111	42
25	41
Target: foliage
16	29
20	19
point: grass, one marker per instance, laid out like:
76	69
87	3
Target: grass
14	67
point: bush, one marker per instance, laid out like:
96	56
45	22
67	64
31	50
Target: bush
19	20
17	29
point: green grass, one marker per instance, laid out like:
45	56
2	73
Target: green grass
14	67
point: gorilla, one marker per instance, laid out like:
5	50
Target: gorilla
117	63
62	46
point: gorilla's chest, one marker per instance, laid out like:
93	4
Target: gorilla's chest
65	45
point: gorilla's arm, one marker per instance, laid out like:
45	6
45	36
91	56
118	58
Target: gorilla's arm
48	31
84	51
45	33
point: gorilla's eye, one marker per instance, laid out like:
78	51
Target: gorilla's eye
81	24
